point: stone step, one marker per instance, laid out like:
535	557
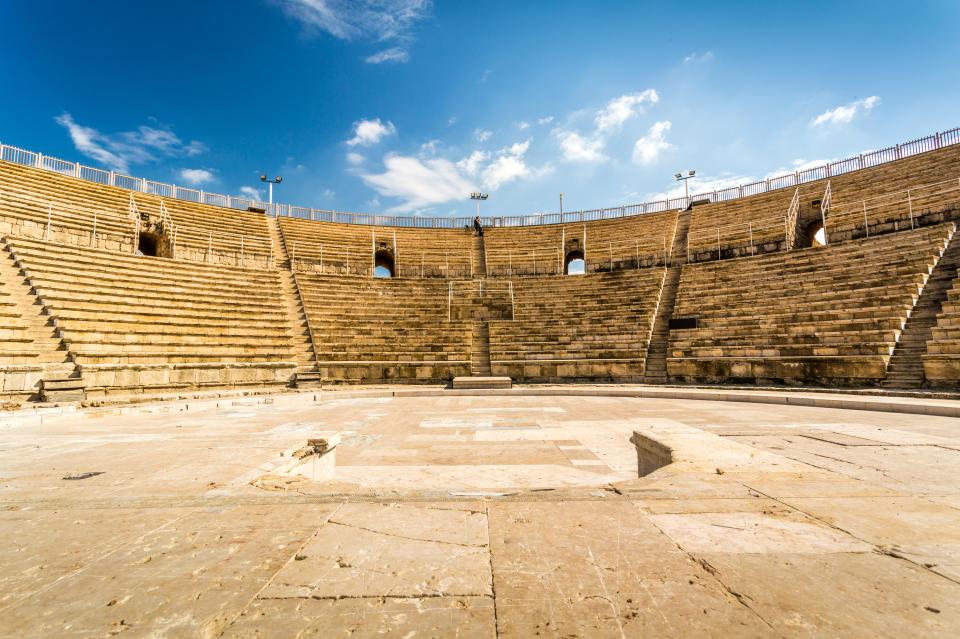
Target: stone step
481	382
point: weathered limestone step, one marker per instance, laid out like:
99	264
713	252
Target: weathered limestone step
62	389
482	382
906	365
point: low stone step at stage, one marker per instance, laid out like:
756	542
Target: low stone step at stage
482	382
63	389
308	379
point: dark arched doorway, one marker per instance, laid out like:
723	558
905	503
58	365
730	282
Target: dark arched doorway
814	235
573	263
149	244
383	264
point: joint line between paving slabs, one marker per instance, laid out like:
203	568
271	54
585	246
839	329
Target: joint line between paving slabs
277	572
493	578
386	534
713	572
877	548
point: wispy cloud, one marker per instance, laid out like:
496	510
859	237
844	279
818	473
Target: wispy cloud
578	147
845	114
355	158
423	182
375	20
252	193
545	120
702	184
196	177
419	183
393	54
370	132
695	57
482	135
119	151
649	147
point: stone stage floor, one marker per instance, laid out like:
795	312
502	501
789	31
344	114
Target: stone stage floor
483	517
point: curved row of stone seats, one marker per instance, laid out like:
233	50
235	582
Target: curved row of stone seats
628	242
368	329
138	324
826	314
334	248
941	362
590	327
758	220
203	232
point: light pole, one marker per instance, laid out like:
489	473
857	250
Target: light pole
479	197
276	180
680	176
561	204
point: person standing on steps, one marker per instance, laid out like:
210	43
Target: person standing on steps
478	226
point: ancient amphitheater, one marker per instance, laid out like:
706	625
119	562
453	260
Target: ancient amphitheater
741	420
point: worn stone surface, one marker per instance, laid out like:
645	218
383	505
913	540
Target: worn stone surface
483	516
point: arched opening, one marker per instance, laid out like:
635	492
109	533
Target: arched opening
148	244
574	263
814	234
383	263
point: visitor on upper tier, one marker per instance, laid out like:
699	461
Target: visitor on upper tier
477	226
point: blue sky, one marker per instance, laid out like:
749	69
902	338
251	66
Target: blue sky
408	105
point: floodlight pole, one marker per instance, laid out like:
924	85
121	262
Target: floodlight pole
276	180
684	178
479	197
561	204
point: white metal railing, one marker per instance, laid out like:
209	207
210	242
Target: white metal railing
865	160
712	239
894	207
791	220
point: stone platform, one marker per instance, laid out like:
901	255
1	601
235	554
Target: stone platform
481	382
482	516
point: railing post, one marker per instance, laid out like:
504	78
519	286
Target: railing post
866	224
718	242
93	236
39	161
510	262
449	298
446	262
46	234
241	251
534	262
610	248
750	229
664	252
421	265
174	249
209	245
910	207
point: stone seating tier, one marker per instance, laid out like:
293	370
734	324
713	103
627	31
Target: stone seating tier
141	323
830	314
368	329
594	326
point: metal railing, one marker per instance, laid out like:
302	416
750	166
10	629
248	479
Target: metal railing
712	239
865	160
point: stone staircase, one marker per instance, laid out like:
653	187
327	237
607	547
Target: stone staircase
60	380
656	364
480	352
307	375
906	365
479	258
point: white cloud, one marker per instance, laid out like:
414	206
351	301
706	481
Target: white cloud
378	20
329	193
845	114
252	193
609	120
471	164
546	120
430	147
370	132
523	125
419	183
695	57
196	176
451	120
577	148
119	151
612	117
355	158
702	184
647	148
482	135
509	165
393	54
